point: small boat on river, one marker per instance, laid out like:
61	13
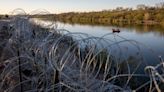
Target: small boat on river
116	30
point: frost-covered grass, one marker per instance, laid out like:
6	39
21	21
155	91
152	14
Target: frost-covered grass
34	58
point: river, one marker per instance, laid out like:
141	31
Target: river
150	39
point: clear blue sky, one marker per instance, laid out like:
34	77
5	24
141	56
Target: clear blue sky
58	6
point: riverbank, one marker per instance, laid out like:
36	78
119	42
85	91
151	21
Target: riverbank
149	15
34	58
109	23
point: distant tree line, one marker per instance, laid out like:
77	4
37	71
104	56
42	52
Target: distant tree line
141	15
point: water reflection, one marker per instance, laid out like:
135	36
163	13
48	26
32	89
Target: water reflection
157	29
149	37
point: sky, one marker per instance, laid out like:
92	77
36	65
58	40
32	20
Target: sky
60	6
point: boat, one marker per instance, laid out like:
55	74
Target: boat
116	30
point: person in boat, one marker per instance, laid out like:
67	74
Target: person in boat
116	30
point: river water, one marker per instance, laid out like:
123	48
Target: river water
150	40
